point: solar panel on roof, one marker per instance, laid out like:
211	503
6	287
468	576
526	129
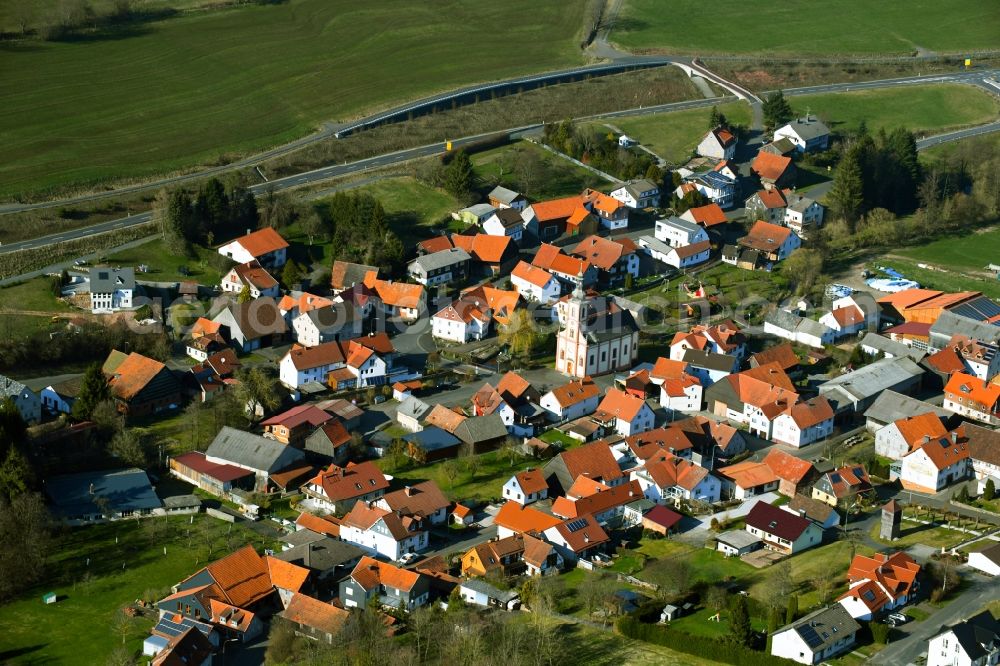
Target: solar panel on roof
858	472
835	478
810	636
868	595
576	525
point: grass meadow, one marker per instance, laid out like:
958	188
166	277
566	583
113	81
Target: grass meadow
202	87
806	28
94	571
925	109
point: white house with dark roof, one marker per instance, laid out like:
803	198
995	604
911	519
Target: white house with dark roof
505	222
27	401
973	642
111	289
808	134
501	197
638	194
719	143
816	637
677	232
451	265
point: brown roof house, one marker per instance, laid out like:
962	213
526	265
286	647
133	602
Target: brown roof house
141	385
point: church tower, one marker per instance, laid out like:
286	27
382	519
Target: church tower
571	345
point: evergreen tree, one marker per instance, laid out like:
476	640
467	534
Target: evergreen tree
211	211
777	110
989	490
792	610
93	391
243	213
292	274
740	631
459	177
245	295
847	194
717	119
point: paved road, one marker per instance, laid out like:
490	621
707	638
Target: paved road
906	650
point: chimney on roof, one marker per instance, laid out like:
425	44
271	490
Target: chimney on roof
954	437
248	231
409	491
927	438
91	488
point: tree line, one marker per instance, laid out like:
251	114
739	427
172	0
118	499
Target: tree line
357	226
217	211
600	150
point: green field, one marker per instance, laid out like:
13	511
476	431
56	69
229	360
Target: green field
953	280
190	90
971	252
77	629
165	267
673	136
921	109
485	484
803	27
533	171
31	295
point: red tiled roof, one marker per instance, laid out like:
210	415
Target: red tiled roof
309	612
296	416
771	198
620	405
749	474
484	247
261	242
709	215
531	481
972	389
913	429
778	522
221	472
765	236
286	575
242	577
598	502
788	467
555	209
575	391
848	316
536	276
436	244
581	537
354	480
594	459
370	573
318	524
523	519
133	374
770	166
947	361
601	252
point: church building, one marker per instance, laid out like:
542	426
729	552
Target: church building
596	337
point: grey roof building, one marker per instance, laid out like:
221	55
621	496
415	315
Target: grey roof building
978	637
482	432
817	636
698	358
414	408
891	406
949	323
858	390
502	195
440	267
326	556
808	128
433	439
253	452
104	280
873	343
480	592
78	498
28	403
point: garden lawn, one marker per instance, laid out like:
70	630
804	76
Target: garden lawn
487	483
165	267
34	294
698	624
556	436
913	533
203	87
830	561
77	629
674	135
925	110
706	565
803	27
593	647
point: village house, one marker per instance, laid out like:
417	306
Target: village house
767	205
623	413
384	584
506	222
936	463
794	474
972	642
715	186
345	275
292	426
557	216
218	479
91	497
331	442
820	513
708	367
844	321
681	395
594	460
984	450
614	259
570	271
677	232
879	583
591	498
782	531
492	256
423	500
719	143
973	398
802	214
747	479
111	289
808	134
774	243
399	299
722	338
611	213
444	267
817	637
707	216
516	519
680	258
638	194
382	532
141	385
535	284
253	277
857	390
903	435
266	246
667	478
798	329
364	361
336	489
339	321
577	538
314	619
526	487
572	400
842	485
461	322
28	403
774	171
411	412
252	325
430	444
500	197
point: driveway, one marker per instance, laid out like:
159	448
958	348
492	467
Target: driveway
737	511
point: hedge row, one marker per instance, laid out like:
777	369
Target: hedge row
707	648
25	261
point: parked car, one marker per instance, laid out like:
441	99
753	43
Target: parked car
899	618
407	558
